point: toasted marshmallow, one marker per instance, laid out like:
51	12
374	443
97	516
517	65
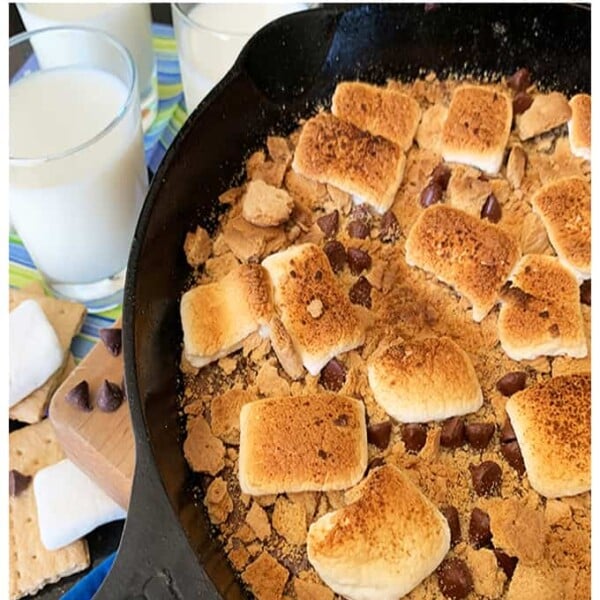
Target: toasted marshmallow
471	255
217	317
338	153
426	380
382	544
304	443
552	422
580	126
302	276
545	113
477	127
540	314
564	206
381	111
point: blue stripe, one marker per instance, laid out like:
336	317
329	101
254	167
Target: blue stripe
162	30
18	254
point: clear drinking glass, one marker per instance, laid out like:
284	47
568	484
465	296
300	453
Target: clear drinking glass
210	37
130	24
77	176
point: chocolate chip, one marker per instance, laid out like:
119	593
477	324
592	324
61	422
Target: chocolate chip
521	102
378	434
491	209
585	292
479	528
322	454
511	383
453	433
514	294
389	228
507	563
451	515
508	433
336	253
79	396
112	339
520	81
376	462
358	229
360	292
109	397
17	482
414	436
479	434
333	375
512	453
341	420
441	175
431	194
358	260
329	223
486	478
455	579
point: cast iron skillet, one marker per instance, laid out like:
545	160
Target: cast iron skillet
288	69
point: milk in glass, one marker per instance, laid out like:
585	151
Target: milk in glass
210	44
76	194
128	23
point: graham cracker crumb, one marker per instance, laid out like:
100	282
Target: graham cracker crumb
270	383
307	590
239	556
203	451
197	247
557	513
266	577
225	414
259	521
308	500
289	520
535	582
488	580
216	268
517	529
279	150
266	500
265	206
245	533
218	502
227	364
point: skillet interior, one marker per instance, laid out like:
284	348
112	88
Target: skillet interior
287	70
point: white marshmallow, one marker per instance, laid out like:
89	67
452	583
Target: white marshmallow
35	352
70	504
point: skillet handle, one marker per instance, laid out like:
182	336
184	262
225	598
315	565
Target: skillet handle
156	565
285	58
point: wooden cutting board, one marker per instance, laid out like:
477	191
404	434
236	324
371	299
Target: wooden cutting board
101	444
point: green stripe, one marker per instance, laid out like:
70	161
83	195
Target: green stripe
19	276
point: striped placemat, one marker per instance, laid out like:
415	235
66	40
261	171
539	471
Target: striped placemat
171	116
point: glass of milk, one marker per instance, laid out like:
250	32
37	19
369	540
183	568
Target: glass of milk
77	177
210	37
129	23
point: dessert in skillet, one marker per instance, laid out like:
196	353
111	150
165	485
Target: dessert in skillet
386	349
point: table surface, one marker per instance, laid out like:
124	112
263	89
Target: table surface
105	540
